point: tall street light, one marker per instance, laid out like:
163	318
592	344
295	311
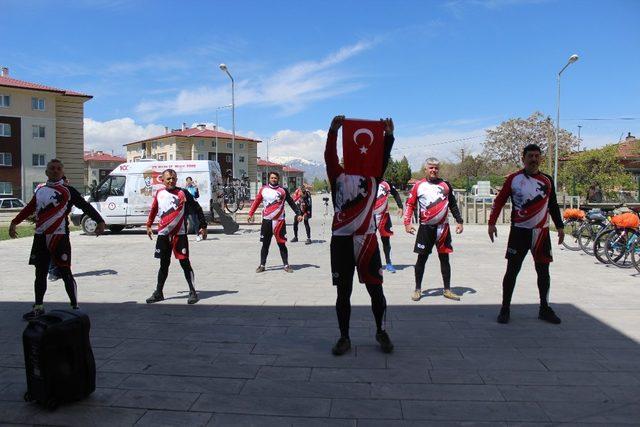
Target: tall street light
224	68
573	58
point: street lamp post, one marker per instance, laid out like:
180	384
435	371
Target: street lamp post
224	68
573	58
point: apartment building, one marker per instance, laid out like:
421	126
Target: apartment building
38	123
199	143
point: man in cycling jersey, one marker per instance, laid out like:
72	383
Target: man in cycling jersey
173	204
51	204
354	245
383	219
533	200
273	223
433	198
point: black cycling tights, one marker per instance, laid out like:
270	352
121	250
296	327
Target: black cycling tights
284	253
307	227
164	272
343	305
509	282
40	284
445	269
386	247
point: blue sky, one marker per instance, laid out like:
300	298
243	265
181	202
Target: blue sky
445	71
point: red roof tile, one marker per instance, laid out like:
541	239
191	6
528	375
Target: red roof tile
262	162
629	148
290	169
99	156
197	133
21	84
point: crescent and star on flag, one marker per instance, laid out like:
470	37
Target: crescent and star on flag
363	149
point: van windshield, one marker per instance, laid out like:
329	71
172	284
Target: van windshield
112	186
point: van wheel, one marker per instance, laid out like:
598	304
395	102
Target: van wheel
88	225
116	228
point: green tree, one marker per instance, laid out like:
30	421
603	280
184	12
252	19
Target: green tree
601	165
504	144
403	173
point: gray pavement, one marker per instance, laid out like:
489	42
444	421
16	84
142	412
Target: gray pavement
256	349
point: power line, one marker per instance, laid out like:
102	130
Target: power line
605	118
451	141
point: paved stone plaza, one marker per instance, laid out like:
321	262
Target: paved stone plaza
256	349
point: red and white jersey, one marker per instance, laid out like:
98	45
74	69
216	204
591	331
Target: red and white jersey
51	205
431	198
169	205
382	199
354	200
273	199
530	196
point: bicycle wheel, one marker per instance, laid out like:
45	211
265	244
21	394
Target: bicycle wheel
598	245
240	201
635	254
587	235
571	228
617	247
231	201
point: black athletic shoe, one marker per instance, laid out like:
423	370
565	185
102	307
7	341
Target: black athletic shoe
156	296
35	312
547	314
342	346
193	298
308	242
385	342
295	239
260	269
504	315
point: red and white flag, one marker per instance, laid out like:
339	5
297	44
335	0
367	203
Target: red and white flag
363	146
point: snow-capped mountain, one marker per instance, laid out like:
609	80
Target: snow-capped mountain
311	168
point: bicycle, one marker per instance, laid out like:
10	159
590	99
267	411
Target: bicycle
594	224
230	198
574	219
619	245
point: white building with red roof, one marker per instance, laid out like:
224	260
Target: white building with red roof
290	177
38	123
200	143
99	164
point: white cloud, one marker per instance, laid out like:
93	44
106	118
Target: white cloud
112	134
290	143
291	88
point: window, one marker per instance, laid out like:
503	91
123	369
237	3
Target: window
241	146
162	157
5	129
5	159
229	145
241	159
112	186
38	160
201	157
201	143
5	188
154	144
6	204
17	204
37	104
213	144
170	156
37	131
5	101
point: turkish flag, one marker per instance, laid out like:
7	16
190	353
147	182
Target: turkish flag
363	147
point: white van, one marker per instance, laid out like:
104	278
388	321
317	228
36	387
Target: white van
124	197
